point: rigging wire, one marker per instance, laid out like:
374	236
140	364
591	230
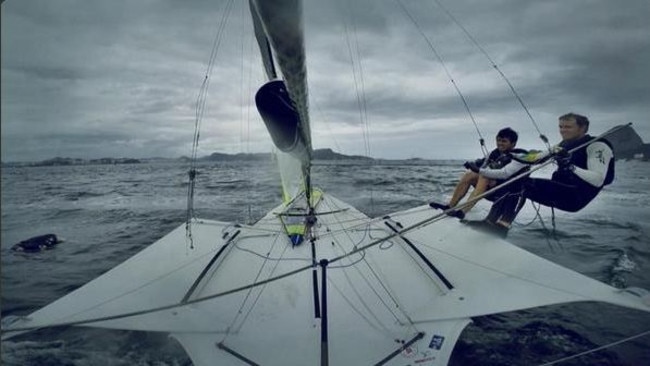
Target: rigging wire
538	216
357	74
246	88
314	102
609	345
444	66
494	65
199	112
359	85
364	101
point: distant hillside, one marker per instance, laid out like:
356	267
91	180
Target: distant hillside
235	157
58	161
627	145
319	154
329	154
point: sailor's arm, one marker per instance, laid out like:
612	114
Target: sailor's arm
598	157
504	173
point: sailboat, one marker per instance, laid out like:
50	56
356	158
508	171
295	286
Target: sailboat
315	281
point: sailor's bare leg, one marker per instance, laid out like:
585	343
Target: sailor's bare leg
482	185
467	180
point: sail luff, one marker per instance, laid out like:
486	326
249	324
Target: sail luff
263	43
282	22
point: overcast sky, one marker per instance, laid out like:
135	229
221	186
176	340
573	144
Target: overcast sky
91	79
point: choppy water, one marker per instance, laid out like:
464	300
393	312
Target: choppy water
106	213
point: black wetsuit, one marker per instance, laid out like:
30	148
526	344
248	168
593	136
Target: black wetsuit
564	191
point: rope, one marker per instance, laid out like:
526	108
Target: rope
538	216
376	276
381	299
259	294
199	112
363	302
494	65
453	82
358	83
359	86
642	334
356	310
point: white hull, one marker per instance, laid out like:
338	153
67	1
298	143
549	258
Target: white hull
377	299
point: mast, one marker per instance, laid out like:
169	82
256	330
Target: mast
283	104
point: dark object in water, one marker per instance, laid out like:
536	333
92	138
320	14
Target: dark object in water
37	243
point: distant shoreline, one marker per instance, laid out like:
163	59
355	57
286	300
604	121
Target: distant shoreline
318	155
642	154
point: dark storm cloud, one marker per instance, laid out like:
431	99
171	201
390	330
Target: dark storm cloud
89	78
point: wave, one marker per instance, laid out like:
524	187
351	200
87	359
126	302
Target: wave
621	266
103	228
559	234
228	184
75	196
121	348
532	343
608	223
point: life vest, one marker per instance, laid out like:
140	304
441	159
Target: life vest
494	155
505	158
579	157
512	155
497	159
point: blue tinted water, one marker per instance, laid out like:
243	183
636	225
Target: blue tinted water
107	213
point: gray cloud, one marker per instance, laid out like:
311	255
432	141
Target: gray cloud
95	79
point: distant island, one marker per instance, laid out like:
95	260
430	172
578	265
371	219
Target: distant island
58	161
628	145
318	154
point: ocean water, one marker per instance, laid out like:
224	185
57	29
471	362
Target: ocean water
107	213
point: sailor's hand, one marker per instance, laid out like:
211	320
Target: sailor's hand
562	158
471	165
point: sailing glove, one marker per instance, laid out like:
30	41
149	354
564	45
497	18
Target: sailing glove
563	159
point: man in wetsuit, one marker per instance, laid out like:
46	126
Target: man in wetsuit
583	168
506	140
